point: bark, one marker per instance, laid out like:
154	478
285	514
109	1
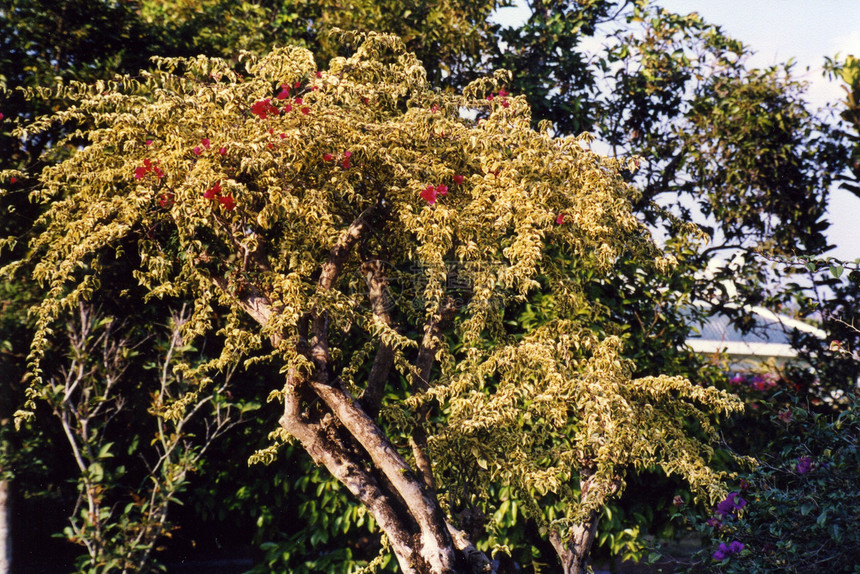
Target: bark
574	551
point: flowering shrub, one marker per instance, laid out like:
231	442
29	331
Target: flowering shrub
799	511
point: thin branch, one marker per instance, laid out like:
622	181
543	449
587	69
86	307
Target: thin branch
377	289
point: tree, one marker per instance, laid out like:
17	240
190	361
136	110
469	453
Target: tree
352	229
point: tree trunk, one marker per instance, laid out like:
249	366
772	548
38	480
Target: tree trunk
336	431
575	551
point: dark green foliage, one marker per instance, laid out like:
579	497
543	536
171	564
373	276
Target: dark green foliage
802	500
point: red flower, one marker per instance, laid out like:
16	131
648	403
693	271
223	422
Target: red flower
1	116
306	111
319	74
165	200
205	143
288	108
490	97
346	164
197	150
270	146
11	179
213	192
148	142
442	189
429	194
503	93
458	179
271	131
147	167
505	104
264	108
327	157
227	202
434	108
347	154
297	85
560	219
285	92
282	135
223	151
298	101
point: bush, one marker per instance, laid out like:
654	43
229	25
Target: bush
798	511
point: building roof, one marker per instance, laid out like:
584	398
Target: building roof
769	339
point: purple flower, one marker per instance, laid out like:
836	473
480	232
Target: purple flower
714	522
732	503
804	465
724	551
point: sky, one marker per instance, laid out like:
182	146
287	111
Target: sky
777	30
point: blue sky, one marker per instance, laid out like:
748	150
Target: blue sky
778	30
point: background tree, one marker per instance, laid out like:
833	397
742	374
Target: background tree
269	202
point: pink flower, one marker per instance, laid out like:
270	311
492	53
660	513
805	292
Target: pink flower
442	189
197	150
490	97
319	74
429	194
205	142
148	142
458	179
560	219
503	93
2	116
434	109
347	154
505	104
284	93
223	151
